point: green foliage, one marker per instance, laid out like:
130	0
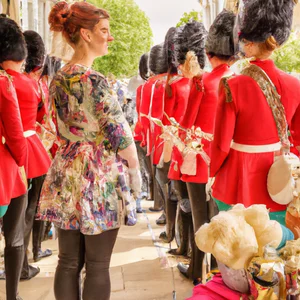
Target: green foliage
193	15
133	37
287	58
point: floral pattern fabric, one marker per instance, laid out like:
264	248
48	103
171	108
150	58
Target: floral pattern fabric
82	187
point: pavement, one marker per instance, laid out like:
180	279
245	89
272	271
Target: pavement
141	268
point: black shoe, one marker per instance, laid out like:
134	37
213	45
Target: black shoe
139	210
161	220
164	237
33	271
197	281
42	254
155	209
177	252
183	269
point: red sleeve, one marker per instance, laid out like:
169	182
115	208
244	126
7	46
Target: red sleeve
138	98
138	126
295	127
11	122
224	128
180	108
193	104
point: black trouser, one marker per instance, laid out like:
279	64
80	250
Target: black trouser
75	250
184	218
33	198
161	177
146	170
13	227
157	193
199	206
202	212
38	230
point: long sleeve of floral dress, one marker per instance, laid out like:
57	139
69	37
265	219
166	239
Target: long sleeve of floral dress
80	190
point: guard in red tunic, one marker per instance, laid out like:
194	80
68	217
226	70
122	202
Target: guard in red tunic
29	98
246	136
152	93
13	146
174	102
201	112
34	70
145	161
13	154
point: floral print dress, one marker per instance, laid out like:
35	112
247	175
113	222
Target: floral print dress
81	188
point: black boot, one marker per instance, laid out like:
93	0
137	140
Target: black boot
184	230
13	259
37	233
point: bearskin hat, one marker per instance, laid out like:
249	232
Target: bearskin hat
260	19
169	49
13	45
157	60
51	66
220	36
144	66
36	50
190	37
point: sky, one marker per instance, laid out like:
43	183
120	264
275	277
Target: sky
164	14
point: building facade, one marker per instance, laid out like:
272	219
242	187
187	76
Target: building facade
30	14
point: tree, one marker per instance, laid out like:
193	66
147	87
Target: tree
193	15
133	37
287	58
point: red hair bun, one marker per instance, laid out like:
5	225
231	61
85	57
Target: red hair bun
58	16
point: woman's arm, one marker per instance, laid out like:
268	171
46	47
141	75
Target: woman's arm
130	154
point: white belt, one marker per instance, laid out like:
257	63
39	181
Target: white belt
256	148
29	133
26	134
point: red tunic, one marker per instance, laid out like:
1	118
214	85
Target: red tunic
174	107
14	152
242	177
138	130
28	98
151	106
206	109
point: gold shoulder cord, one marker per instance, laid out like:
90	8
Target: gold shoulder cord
225	85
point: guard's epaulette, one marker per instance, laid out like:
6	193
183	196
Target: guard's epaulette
4	74
224	83
175	79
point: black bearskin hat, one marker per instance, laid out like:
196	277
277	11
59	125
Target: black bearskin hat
190	37
13	45
169	49
260	19
220	36
143	66
36	50
51	66
157	60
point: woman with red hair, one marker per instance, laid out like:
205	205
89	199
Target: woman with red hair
80	191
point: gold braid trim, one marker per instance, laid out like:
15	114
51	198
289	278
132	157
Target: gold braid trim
225	85
272	97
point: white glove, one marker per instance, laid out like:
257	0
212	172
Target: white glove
208	188
135	181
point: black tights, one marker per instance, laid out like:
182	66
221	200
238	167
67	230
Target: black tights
33	198
75	250
13	227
